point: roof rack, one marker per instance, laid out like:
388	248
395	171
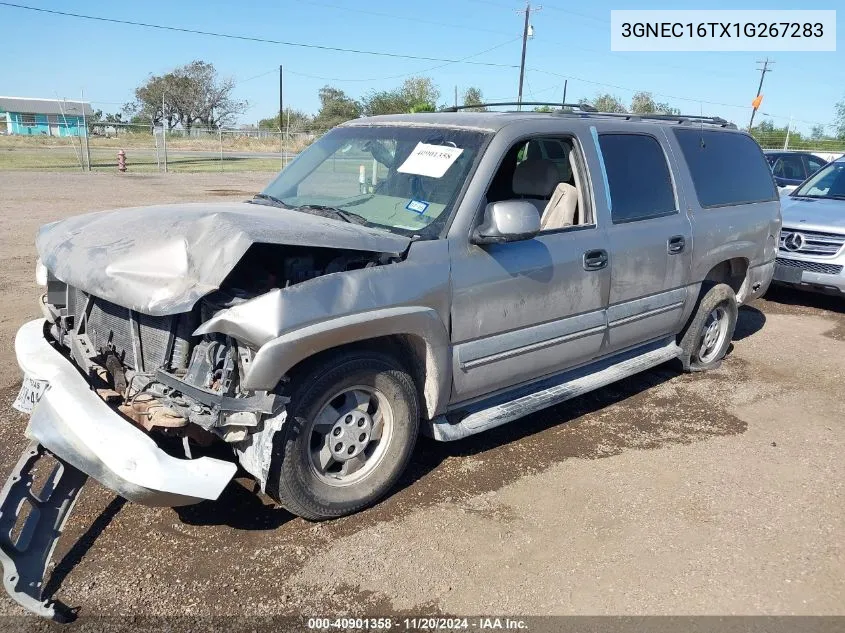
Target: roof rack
584	107
682	119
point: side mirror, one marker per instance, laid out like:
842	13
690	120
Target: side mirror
507	221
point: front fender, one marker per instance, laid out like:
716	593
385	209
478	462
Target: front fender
421	324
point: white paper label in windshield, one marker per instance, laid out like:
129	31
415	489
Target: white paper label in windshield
430	160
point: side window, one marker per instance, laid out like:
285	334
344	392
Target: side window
813	165
638	177
554	186
727	168
789	167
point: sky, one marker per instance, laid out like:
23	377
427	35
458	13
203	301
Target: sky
50	55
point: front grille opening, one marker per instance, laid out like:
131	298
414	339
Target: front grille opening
813	267
138	340
812	242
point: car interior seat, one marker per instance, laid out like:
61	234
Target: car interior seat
534	180
561	210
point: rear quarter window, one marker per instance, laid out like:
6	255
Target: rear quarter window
727	168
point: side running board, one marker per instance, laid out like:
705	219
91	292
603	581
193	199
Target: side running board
531	398
25	558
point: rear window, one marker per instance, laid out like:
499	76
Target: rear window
726	168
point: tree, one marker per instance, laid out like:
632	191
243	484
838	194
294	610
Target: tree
335	108
474	97
188	95
605	103
644	103
817	132
771	137
839	125
416	94
420	93
296	120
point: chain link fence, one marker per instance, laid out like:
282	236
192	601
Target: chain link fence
206	150
147	149
827	147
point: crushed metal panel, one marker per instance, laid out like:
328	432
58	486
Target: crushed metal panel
160	260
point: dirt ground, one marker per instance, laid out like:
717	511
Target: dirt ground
717	493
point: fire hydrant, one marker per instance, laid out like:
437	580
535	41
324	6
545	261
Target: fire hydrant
121	161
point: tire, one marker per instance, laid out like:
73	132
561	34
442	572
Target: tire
702	349
330	418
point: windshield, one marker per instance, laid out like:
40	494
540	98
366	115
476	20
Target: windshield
403	179
829	182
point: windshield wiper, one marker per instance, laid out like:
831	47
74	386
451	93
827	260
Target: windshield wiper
347	216
269	198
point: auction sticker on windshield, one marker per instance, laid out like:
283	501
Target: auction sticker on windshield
430	160
31	392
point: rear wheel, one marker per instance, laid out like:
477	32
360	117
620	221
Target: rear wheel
706	339
351	428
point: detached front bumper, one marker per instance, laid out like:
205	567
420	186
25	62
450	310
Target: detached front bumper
75	424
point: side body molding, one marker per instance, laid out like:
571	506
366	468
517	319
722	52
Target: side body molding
422	325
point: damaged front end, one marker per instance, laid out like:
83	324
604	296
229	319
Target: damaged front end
133	399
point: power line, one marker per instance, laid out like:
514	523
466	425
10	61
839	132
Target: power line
405	18
416	72
247	38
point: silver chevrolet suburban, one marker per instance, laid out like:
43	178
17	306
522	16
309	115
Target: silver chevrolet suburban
441	273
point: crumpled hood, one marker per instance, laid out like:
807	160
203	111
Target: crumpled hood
160	260
815	214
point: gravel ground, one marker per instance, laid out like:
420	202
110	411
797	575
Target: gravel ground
718	493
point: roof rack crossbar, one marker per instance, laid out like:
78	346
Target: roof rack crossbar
584	107
679	118
586	110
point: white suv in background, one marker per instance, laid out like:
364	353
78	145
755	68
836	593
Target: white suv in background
812	242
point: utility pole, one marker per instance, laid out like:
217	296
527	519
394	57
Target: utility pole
528	10
281	110
765	69
456	95
788	130
565	84
163	132
85	128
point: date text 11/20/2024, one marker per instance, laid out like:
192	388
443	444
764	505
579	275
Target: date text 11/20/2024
418	624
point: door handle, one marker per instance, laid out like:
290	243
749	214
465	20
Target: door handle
676	244
595	259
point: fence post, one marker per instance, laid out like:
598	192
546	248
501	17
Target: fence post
788	128
220	134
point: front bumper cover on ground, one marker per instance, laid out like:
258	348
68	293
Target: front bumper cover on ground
87	437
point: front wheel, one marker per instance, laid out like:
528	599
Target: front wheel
350	430
706	339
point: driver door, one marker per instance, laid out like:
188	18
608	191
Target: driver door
523	310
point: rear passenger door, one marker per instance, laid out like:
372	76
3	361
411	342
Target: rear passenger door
650	240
